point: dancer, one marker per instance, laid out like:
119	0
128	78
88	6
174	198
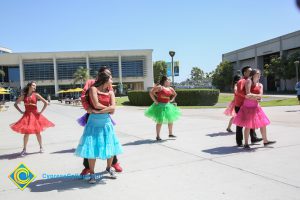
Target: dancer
83	120
230	108
239	98
251	115
162	111
32	121
99	139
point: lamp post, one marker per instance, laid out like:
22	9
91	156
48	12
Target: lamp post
297	65
172	54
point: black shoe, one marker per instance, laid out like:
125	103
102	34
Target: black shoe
246	146
172	136
269	142
239	144
229	130
158	138
256	140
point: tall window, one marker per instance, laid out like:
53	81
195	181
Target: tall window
133	66
110	62
38	70
67	67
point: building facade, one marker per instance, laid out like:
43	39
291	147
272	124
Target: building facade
54	71
258	55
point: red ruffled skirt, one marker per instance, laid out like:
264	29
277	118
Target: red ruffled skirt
31	123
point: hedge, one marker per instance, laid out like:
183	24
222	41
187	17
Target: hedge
185	97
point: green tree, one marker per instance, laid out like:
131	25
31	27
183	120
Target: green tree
159	70
282	67
81	75
197	75
222	76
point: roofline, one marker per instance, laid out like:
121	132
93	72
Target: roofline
286	36
94	51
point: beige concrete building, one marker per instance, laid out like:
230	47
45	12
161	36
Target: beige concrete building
54	70
258	55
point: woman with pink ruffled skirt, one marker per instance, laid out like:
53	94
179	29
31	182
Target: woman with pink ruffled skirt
251	115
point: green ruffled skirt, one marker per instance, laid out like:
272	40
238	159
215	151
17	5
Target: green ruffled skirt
163	113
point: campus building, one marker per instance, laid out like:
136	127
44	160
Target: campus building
54	71
259	54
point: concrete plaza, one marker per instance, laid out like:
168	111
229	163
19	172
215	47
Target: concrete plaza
202	163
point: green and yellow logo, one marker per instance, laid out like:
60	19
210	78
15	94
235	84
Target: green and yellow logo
22	176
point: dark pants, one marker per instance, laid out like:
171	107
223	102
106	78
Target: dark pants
239	132
87	166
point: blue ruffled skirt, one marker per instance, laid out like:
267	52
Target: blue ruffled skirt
99	139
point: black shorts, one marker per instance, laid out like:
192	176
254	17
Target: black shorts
298	97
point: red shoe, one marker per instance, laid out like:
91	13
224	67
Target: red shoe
85	171
117	167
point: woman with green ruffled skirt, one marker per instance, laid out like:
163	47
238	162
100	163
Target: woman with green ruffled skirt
162	111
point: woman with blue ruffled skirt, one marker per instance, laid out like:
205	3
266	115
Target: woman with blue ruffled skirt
99	140
162	111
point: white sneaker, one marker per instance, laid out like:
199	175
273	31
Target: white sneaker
92	179
23	153
112	173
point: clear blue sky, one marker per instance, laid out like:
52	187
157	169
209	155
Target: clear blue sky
199	31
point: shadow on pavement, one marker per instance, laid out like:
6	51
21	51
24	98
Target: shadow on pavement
63	184
220	134
15	155
141	142
65	151
228	150
292	111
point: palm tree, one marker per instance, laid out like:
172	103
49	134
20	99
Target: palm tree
81	74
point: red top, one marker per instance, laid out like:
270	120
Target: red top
104	99
239	95
255	89
30	102
164	95
88	84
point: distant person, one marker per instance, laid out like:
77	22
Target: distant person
32	121
297	88
49	98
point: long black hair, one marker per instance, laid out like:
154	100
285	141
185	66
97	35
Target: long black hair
26	88
163	80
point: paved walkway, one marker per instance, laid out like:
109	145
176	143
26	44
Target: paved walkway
202	163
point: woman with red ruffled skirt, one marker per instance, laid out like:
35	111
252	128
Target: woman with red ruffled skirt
32	121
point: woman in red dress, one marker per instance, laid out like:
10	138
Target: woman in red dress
32	121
